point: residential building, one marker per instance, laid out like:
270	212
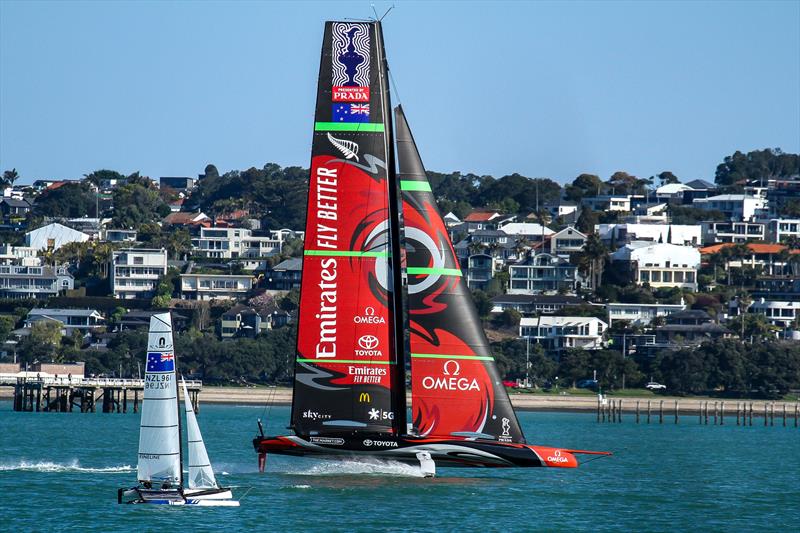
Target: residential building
286	275
480	270
450	220
690	327
623	203
543	273
19	255
530	304
40	282
187	219
119	235
177	183
565	242
640	314
136	319
565	210
529	230
70	320
135	272
781	229
671	193
243	321
736	232
659	265
783	314
233	243
215	286
698	189
624	233
480	219
564	332
735	206
770	258
14	211
53	236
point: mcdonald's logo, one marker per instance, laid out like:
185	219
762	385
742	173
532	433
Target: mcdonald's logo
364	398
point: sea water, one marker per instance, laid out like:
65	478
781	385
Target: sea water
61	471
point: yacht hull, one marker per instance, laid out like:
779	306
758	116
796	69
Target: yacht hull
221	497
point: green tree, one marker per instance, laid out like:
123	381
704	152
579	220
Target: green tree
138	202
584	186
71	200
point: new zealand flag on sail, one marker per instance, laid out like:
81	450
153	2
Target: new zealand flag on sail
350	112
160	361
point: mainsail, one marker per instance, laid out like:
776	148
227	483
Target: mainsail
456	387
201	475
346	370
159	432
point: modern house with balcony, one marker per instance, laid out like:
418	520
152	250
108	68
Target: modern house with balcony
659	265
135	272
735	206
38	282
215	286
736	232
781	229
640	314
564	332
543	273
233	243
620	234
531	304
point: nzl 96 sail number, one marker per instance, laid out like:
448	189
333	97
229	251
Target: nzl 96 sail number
157	381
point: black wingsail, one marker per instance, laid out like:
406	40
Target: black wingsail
456	387
349	374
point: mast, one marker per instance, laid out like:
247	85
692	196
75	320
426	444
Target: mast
399	385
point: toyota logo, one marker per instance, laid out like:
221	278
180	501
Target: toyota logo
368	442
368	342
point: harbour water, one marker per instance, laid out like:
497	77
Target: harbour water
61	471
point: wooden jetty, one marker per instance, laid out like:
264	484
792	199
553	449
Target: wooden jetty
611	410
66	395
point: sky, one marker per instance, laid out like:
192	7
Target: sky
545	89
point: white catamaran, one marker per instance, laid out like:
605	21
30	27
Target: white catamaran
160	465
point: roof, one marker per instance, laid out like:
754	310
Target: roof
294	263
672	188
755	247
537	299
702	328
55	313
12	202
701	184
728	198
694	314
481	216
183	218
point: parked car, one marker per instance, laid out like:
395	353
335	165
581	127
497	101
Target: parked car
587	384
655	386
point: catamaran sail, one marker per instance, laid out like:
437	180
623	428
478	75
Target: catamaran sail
347	371
160	466
201	475
159	430
456	387
349	390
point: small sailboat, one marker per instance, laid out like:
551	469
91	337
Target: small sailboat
160	465
382	288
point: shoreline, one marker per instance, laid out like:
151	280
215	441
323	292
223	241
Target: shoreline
522	402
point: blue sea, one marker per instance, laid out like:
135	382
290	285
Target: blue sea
61	471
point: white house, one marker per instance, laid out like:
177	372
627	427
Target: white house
215	286
567	241
135	272
717	232
83	320
527	229
779	229
778	313
232	243
640	313
53	236
19	255
563	332
18	281
661	264
682	234
735	206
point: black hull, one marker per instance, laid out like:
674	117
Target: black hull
445	452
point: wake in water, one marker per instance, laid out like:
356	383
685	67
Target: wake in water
357	467
73	466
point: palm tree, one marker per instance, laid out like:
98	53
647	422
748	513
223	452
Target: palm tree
594	256
9	177
744	300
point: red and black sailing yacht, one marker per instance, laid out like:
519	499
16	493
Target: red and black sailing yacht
382	288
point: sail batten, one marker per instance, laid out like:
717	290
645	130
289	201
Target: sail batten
456	387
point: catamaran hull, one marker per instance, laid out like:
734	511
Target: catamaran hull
444	452
202	497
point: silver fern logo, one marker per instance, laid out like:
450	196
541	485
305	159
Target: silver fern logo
349	149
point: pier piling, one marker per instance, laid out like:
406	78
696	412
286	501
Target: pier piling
676	411
722	414
637	411
661	412
648	411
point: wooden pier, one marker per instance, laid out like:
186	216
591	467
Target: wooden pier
64	395
787	413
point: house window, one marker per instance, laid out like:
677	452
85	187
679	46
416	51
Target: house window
667	277
644	276
656	276
138	260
